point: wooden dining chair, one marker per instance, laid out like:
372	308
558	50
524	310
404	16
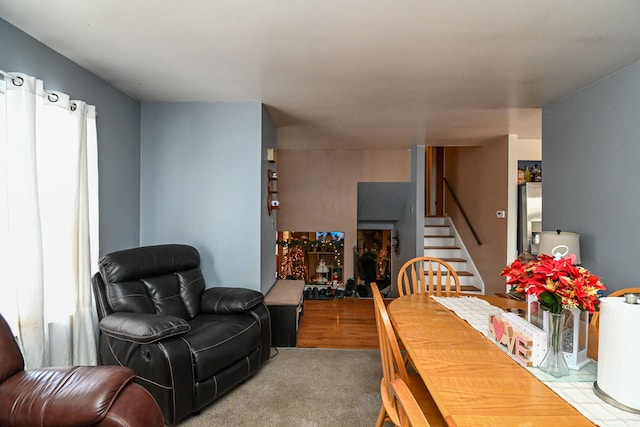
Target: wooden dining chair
409	412
429	275
393	368
594	323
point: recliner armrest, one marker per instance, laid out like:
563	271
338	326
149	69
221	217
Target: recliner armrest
143	328
229	300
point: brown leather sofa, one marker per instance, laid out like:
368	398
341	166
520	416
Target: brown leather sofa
187	345
69	396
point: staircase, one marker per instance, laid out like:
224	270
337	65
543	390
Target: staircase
441	240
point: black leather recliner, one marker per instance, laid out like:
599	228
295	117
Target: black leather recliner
187	345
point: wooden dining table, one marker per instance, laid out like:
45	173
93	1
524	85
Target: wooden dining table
472	380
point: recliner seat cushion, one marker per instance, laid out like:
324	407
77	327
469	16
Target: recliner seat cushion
217	341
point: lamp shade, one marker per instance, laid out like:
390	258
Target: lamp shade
560	244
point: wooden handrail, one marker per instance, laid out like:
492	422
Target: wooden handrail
464	214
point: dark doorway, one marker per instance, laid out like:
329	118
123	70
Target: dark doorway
373	260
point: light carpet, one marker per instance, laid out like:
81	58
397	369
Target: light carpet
303	387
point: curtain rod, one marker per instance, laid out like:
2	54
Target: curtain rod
13	78
18	81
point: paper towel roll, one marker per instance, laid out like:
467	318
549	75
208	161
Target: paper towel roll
619	351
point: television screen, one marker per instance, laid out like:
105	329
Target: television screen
329	235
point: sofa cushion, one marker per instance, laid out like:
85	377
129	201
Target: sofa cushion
217	341
67	397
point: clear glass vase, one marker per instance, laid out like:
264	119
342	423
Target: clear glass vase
553	362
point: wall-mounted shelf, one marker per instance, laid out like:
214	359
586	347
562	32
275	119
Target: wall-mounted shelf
272	198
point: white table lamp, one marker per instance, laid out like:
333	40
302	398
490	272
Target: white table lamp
560	244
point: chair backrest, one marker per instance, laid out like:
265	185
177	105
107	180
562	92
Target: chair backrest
429	275
393	366
595	318
409	412
161	279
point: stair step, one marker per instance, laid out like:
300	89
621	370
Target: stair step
434	220
436	247
466	279
437	231
442	251
439	240
452	260
458	264
469	289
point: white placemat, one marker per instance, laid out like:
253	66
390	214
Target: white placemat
474	310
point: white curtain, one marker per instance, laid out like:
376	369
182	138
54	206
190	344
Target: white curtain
48	221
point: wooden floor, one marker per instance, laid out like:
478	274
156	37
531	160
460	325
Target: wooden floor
338	323
350	322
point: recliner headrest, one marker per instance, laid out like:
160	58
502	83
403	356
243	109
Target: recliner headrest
146	261
161	279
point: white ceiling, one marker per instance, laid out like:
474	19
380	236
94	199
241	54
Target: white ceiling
349	74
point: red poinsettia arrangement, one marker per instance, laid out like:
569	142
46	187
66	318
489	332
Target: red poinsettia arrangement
556	282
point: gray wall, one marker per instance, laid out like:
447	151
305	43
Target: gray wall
400	203
591	156
384	206
410	226
382	201
118	123
416	212
202	184
267	222
234	183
